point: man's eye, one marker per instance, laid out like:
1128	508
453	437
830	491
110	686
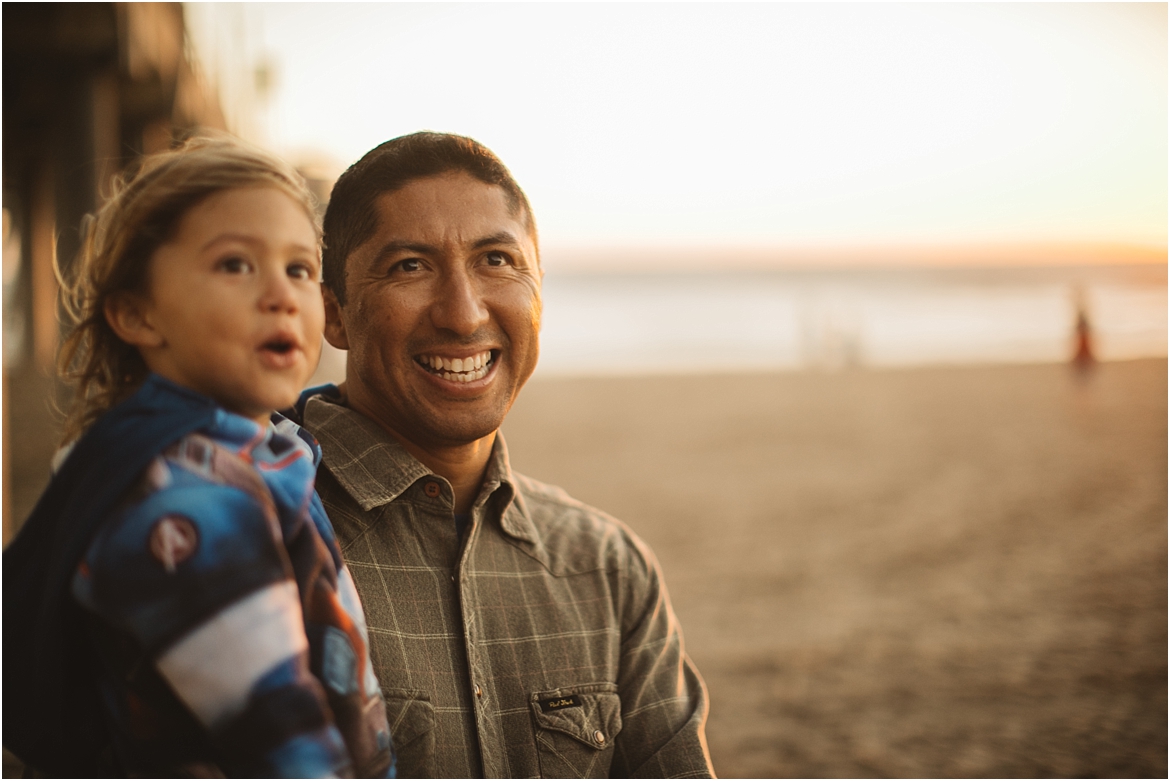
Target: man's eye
235	265
497	259
408	265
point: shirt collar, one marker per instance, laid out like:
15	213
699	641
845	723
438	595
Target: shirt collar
370	465
498	479
375	469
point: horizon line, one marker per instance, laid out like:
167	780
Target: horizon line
646	256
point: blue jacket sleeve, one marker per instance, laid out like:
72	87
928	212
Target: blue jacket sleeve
198	576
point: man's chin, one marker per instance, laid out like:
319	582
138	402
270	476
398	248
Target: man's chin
429	419
457	436
453	430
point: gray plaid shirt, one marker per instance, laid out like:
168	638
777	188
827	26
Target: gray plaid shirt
544	646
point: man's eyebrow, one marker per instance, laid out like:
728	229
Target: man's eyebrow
503	237
394	247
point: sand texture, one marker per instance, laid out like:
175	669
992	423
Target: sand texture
930	572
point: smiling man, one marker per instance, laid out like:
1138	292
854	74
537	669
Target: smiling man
515	631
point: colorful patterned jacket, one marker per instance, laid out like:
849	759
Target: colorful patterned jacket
223	632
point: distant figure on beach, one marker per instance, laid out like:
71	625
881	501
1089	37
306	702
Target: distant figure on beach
516	632
1083	358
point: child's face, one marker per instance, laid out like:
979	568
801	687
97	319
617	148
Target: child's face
235	309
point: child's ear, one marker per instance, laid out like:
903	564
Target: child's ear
128	315
334	326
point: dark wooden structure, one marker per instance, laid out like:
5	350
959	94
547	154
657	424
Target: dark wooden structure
87	87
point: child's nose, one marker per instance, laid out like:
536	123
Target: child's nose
278	294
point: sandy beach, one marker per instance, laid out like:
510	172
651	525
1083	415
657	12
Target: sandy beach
929	572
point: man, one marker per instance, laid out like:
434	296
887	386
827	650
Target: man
515	631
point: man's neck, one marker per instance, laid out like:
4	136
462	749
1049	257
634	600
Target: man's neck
463	464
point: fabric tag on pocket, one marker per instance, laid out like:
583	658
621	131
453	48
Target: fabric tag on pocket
560	703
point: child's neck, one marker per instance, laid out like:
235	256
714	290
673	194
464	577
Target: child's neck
260	417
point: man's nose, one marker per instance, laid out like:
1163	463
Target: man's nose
459	306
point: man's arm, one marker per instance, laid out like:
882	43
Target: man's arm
664	700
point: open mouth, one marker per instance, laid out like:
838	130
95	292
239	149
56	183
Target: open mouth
469	369
279	346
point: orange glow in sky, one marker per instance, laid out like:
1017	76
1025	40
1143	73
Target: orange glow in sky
760	125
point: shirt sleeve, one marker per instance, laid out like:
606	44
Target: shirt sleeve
664	700
198	577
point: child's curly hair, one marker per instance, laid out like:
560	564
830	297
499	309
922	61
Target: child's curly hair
144	212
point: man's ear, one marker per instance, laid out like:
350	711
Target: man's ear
128	315
334	326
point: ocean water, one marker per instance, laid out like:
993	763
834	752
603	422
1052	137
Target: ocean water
658	323
630	323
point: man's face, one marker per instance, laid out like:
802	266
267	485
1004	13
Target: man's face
442	312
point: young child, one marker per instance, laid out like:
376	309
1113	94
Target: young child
176	605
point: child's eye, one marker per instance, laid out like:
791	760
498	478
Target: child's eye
302	271
235	265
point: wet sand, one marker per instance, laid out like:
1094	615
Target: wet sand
928	572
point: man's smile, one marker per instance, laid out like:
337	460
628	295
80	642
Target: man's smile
464	369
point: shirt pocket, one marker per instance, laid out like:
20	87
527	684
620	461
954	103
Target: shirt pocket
412	730
575	730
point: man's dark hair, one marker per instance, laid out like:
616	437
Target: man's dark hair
351	217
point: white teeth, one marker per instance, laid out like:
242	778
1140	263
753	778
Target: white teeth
473	367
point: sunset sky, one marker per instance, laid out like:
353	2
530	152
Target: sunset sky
757	125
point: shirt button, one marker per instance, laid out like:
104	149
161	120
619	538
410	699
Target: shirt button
478	691
599	736
432	489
